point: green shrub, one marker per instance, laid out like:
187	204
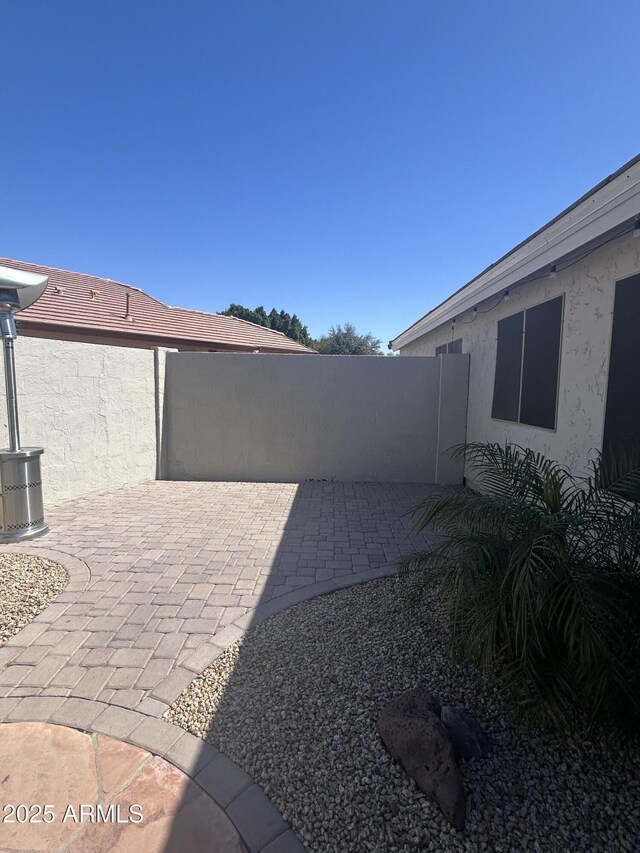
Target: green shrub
541	579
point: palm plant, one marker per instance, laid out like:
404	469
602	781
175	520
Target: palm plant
540	572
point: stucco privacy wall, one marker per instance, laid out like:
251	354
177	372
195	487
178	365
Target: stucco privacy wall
92	408
589	289
287	418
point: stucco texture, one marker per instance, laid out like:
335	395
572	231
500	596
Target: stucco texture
92	408
589	290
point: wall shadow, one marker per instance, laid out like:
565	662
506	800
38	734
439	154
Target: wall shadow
335	533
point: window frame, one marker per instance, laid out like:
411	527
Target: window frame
524	311
447	350
606	428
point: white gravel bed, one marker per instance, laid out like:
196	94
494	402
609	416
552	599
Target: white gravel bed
295	704
27	585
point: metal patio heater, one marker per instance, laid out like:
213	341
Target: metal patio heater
21	508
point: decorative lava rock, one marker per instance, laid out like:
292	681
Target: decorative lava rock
468	736
413	732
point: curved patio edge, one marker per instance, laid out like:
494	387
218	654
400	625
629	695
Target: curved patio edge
207	653
259	824
78	571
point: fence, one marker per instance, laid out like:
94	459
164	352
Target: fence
108	416
288	418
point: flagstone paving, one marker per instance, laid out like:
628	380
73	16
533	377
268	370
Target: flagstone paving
63	789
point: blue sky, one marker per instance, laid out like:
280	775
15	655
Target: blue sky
346	160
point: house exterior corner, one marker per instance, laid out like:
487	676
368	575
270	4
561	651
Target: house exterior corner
586	291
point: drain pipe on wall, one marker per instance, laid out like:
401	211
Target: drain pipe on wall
158	395
159	373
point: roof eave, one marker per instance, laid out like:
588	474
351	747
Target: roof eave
26	325
608	206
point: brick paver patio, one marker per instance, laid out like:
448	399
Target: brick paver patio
164	576
178	570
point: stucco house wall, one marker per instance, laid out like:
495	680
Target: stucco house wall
589	290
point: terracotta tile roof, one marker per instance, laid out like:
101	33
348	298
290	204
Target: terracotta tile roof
86	304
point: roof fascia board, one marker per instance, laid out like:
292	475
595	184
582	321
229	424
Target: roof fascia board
44	328
605	210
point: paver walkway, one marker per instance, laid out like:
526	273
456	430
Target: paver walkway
179	570
100	795
163	577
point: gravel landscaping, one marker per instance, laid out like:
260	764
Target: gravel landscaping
27	585
295	704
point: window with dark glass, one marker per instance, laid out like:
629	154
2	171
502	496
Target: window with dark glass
525	388
451	347
622	417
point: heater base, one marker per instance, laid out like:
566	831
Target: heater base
22	535
21	509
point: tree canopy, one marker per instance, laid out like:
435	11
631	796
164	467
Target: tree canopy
289	324
345	340
339	340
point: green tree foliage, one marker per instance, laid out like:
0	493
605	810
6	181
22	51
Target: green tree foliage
344	340
252	315
289	324
540	574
